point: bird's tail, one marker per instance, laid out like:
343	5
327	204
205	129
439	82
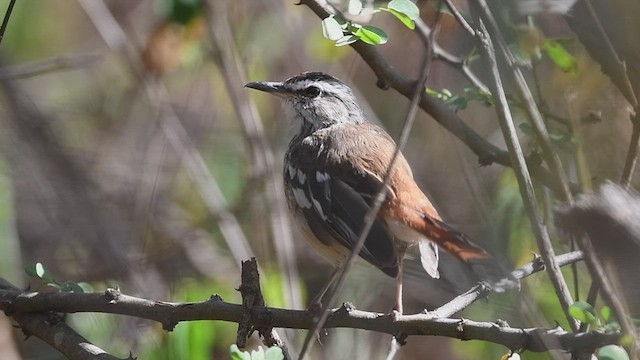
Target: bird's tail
482	264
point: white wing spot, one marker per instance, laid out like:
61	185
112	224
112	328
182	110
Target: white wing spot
301	177
291	171
322	176
301	198
318	207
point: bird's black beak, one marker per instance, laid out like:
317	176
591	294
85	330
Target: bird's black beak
273	87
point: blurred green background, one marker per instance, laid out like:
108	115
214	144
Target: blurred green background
101	182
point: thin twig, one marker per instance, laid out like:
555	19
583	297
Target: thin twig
458	16
524	180
66	62
459	63
542	135
263	159
5	21
462	301
632	153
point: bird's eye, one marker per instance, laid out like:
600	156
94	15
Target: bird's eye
311	92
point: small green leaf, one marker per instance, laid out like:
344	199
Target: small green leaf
405	7
71	286
331	28
355	7
257	354
31	271
274	353
86	287
371	35
237	354
40	271
584	312
612	352
560	56
346	40
402	17
605	313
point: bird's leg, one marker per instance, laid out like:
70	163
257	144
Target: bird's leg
316	303
397	308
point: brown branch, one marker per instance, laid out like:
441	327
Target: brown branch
169	314
16	302
51	328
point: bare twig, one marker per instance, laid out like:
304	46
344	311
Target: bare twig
459	63
67	62
5	21
632	153
263	160
458	16
524	180
542	135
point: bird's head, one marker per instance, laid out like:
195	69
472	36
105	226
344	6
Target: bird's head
318	99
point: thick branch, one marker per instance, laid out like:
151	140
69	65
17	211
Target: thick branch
169	314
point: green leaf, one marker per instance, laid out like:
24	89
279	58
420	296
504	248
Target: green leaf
402	17
612	352
237	354
605	313
355	7
584	312
346	40
274	353
71	286
405	7
560	56
331	28
40	270
526	128
371	35
31	271
86	287
257	354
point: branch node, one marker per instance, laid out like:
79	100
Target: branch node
169	324
112	295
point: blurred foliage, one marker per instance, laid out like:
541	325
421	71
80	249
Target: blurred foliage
160	239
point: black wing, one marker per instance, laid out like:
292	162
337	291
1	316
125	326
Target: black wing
337	208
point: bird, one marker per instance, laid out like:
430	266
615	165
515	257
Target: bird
334	168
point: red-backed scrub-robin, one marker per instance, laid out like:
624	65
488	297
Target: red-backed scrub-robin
333	170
